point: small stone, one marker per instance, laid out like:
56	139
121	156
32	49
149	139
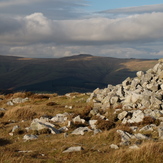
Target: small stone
92	123
81	131
160	60
2	109
10	103
65	135
122	115
134	147
141	136
15	128
73	149
77	119
30	137
114	146
96	131
140	74
160	130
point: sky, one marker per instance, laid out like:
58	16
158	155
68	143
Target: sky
59	28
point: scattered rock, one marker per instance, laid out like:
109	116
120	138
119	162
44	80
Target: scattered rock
17	101
10	103
40	124
147	128
2	109
160	130
81	131
141	136
73	149
77	119
15	128
113	146
96	131
134	147
61	118
92	123
20	100
30	137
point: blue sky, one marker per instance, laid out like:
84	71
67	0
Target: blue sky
58	28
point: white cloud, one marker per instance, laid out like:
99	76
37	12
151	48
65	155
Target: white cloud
38	36
37	28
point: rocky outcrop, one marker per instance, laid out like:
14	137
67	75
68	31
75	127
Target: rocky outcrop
136	101
136	98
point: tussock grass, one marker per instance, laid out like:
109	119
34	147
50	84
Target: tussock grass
20	113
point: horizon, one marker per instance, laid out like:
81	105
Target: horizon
76	55
55	29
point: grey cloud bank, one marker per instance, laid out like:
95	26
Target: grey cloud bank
38	35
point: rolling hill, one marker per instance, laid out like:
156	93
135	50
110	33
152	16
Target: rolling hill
81	73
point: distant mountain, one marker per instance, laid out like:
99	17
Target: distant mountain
81	73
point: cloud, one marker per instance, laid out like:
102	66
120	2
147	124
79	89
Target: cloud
36	28
35	35
135	10
8	3
8	24
56	9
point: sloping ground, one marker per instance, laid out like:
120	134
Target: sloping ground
45	147
82	73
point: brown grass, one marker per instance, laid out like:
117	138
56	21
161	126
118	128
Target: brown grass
104	124
48	148
138	65
17	113
51	104
84	113
150	120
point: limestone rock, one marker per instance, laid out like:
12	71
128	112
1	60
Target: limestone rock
77	119
160	130
141	136
81	131
30	137
137	116
92	123
140	74
114	146
73	149
39	124
59	118
125	136
147	128
15	128
122	115
2	109
17	101
20	100
134	147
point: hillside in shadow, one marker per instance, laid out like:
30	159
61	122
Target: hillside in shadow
81	73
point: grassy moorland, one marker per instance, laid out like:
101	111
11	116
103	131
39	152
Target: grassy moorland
81	73
48	148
